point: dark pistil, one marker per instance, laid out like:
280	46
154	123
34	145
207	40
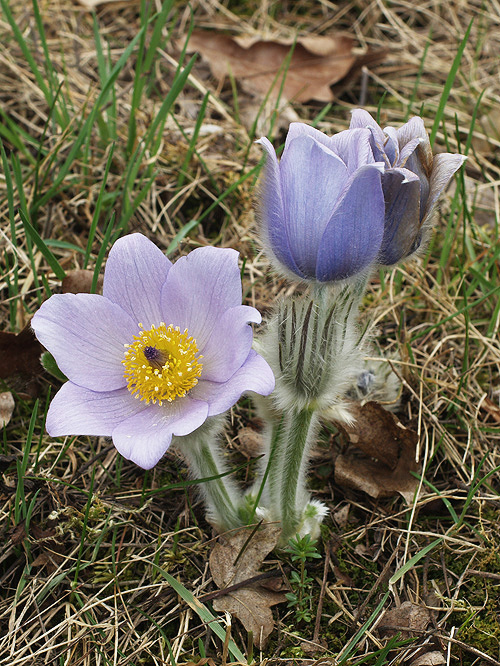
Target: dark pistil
155	357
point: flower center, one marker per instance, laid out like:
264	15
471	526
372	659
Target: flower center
161	364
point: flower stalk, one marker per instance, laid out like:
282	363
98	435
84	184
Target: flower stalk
298	438
206	462
313	346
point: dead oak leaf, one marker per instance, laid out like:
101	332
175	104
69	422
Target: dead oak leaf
235	560
317	62
19	353
379	435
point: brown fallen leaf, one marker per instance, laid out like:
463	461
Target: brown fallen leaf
343	578
6	461
409	618
79	281
433	658
341	516
7	405
234	561
378	434
411	621
51	553
17	534
317	63
375	431
20	353
250	442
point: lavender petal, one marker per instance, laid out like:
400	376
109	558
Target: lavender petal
275	232
229	344
86	334
402	219
200	287
135	273
312	179
145	436
346	249
254	375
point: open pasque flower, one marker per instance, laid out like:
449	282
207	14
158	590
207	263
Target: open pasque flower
412	182
165	347
322	205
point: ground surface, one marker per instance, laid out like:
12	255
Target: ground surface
104	135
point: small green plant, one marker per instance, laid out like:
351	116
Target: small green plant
301	550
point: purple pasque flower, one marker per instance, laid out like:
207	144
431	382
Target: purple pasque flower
322	204
165	347
412	182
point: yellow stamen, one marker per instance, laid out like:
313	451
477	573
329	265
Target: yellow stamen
162	364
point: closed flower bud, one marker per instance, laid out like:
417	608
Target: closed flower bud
412	182
322	206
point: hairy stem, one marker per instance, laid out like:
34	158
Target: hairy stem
222	496
299	433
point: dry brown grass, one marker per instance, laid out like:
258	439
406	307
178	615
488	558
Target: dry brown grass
78	584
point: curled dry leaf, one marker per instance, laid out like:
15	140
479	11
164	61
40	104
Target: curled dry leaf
233	561
79	281
375	432
317	62
19	353
250	442
379	435
434	658
7	405
412	621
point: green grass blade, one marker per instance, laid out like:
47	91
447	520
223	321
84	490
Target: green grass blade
349	648
62	117
202	611
449	84
413	95
10	193
84	132
18	35
180	235
413	560
98	207
51	259
12	133
20	508
192	144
